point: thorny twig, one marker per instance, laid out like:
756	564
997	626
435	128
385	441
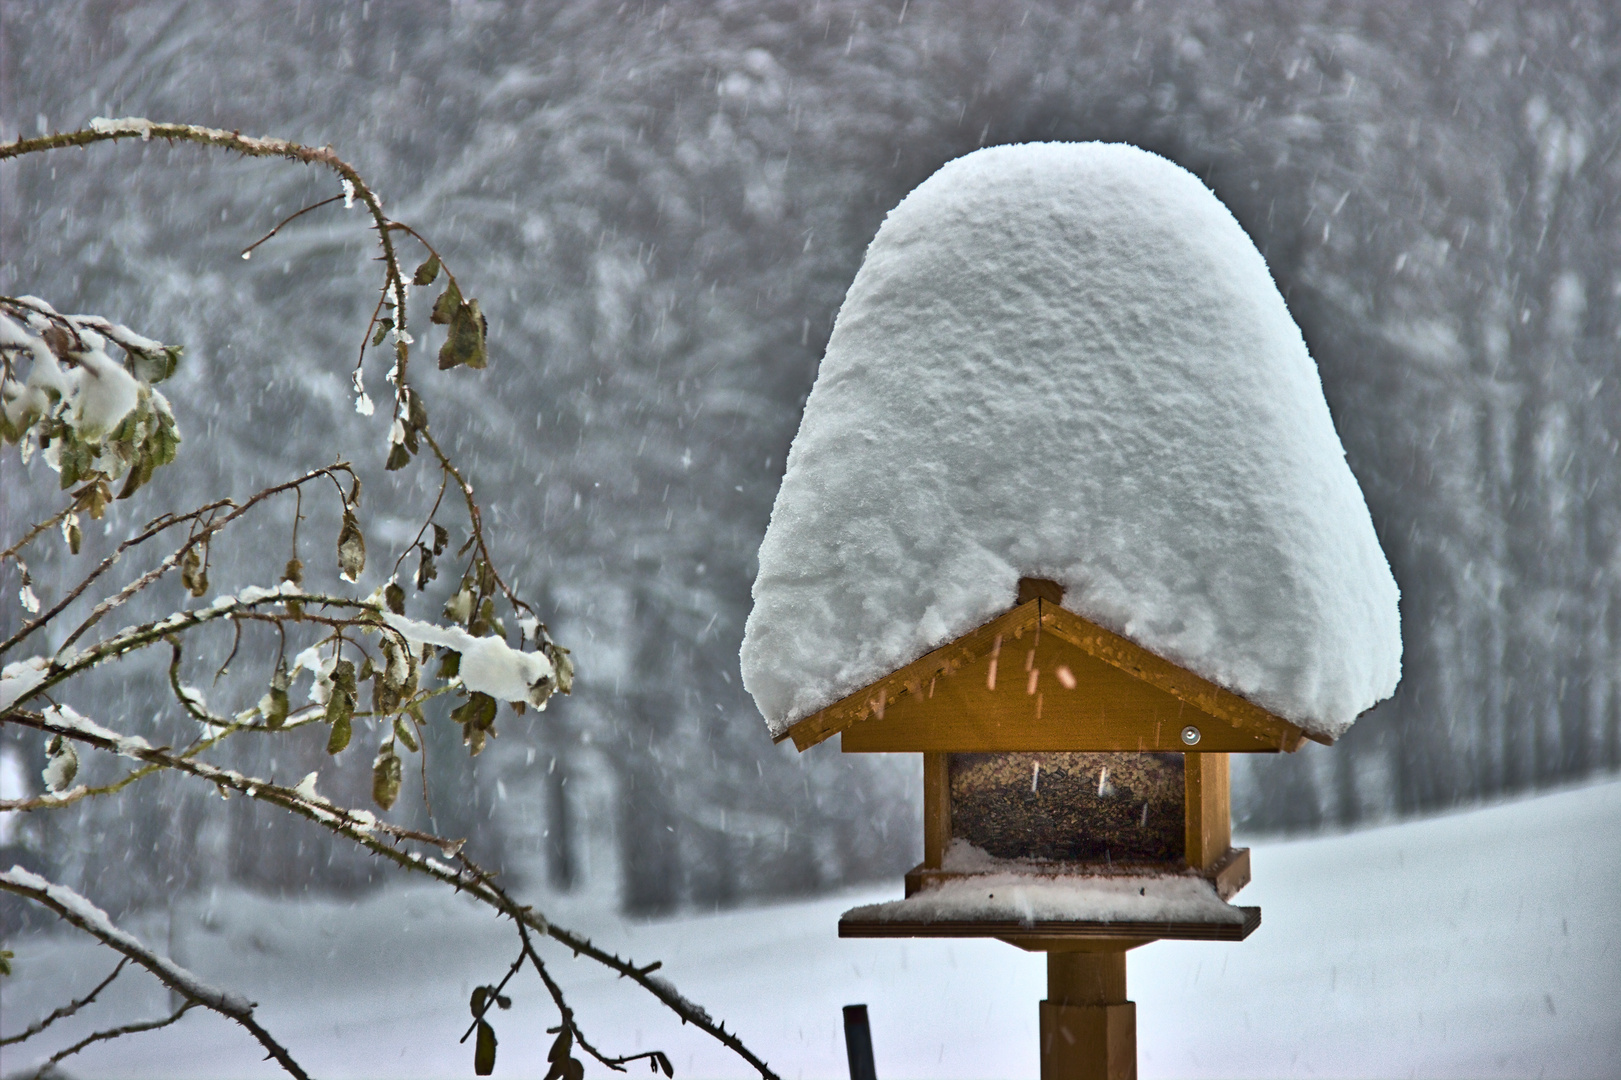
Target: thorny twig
566	1014
201	536
102	130
476	522
44	526
176	978
363	829
106	564
112	1033
65	1011
65	666
52	801
288	220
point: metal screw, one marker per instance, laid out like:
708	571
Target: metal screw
1190	735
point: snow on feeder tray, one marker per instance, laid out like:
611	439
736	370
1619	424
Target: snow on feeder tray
1067	515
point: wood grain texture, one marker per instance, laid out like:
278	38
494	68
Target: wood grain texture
1087	978
1231	874
919	679
1131	658
1091	931
1208	804
1088	1028
936	809
1088	1042
1041	678
1052	945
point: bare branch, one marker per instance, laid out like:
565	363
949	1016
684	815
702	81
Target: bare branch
44	526
78	911
65	1011
288	220
475	521
102	130
113	1033
566	1014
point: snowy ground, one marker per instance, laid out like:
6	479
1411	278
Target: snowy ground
1485	943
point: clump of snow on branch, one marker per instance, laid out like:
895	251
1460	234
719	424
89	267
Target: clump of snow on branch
95	417
253	594
141	126
1069	361
19	680
319	668
126	125
65	716
488	664
363	402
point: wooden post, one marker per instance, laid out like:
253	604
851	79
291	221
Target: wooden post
1209	809
936	808
1088	1028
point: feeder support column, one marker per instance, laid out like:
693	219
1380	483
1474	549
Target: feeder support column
1088	1028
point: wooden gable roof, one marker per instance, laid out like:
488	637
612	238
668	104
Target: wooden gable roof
1041	678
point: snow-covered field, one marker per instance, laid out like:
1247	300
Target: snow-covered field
1485	943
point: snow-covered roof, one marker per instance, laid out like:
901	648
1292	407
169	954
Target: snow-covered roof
1068	361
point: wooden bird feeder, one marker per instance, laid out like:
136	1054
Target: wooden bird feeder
1086	779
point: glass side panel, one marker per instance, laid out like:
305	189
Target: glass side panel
1070	807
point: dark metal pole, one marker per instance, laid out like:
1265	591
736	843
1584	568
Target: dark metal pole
858	1043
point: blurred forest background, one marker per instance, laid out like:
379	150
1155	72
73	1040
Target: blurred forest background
660	207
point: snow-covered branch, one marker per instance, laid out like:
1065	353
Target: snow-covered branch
363	828
199	538
102	129
89	918
27	678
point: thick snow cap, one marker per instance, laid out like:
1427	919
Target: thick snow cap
1068	361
